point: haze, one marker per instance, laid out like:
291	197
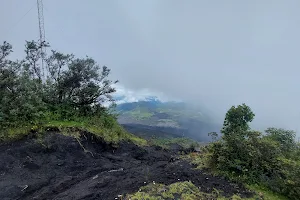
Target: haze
212	53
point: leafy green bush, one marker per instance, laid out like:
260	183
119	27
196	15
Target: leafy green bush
271	159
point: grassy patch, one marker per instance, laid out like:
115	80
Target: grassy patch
266	193
181	190
199	159
15	133
140	113
112	133
166	142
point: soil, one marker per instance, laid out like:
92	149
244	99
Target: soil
57	167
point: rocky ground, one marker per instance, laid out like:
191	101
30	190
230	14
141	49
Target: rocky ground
62	168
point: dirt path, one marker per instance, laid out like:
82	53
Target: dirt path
59	169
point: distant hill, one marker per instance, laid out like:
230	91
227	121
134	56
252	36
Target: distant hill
163	118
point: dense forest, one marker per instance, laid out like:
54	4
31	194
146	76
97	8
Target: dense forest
72	90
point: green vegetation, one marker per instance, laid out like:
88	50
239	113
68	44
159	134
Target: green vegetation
182	112
157	111
69	93
167	142
113	134
140	113
180	190
266	193
271	161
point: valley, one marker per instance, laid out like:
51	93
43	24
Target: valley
166	119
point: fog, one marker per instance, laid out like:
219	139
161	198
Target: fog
212	53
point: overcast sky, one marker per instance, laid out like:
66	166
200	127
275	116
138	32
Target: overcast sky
215	53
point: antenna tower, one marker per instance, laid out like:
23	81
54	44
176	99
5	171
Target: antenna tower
42	32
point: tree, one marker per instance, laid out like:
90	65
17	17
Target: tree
77	85
232	152
214	136
236	122
70	88
285	139
7	79
20	94
34	53
5	50
57	64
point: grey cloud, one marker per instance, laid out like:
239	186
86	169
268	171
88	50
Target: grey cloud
217	53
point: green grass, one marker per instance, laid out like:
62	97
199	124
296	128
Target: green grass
114	133
188	191
266	193
199	159
14	133
180	190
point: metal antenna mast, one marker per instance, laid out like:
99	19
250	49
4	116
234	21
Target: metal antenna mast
42	32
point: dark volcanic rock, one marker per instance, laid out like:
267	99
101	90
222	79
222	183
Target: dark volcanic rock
58	168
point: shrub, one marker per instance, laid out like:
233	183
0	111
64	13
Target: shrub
246	155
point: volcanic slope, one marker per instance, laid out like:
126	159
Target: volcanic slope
63	167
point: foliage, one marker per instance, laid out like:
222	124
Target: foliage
214	135
20	94
236	122
266	193
180	190
270	159
77	86
68	91
284	138
69	87
183	190
201	160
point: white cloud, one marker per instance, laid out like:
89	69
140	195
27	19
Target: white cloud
124	95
